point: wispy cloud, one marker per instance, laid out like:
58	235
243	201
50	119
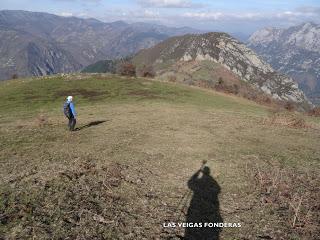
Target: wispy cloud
65	14
145	14
223	15
302	13
86	1
309	10
169	4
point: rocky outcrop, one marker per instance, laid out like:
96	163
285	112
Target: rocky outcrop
294	51
229	52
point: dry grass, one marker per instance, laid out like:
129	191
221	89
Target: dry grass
104	181
124	177
286	119
42	120
292	195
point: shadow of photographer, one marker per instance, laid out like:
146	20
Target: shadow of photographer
204	206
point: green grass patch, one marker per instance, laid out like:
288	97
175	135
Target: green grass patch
29	96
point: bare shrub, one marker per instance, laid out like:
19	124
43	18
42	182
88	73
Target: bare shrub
293	196
263	99
14	76
276	110
147	71
287	119
205	84
289	106
126	69
315	112
172	78
236	88
226	88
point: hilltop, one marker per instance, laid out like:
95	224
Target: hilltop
126	171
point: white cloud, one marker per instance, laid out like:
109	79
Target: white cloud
74	14
204	15
309	10
298	14
145	14
87	1
65	14
168	3
213	16
150	14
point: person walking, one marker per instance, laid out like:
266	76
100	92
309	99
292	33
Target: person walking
70	112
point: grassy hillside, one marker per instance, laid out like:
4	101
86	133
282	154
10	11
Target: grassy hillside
128	168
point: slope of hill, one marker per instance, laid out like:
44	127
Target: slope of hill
224	52
41	43
127	170
294	51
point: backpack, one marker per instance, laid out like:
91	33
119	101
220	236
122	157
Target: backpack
67	110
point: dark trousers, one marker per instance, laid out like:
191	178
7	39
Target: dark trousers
72	123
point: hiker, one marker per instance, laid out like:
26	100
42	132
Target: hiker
70	113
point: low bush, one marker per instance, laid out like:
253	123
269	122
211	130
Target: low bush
147	71
126	69
315	112
288	119
14	76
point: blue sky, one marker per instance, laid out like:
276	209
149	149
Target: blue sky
224	15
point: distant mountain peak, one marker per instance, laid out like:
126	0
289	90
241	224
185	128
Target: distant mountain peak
294	51
309	25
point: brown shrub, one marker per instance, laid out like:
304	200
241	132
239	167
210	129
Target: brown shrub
263	99
172	78
14	76
205	84
126	69
286	119
147	71
222	87
236	88
315	112
289	106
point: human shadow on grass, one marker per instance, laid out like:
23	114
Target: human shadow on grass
204	206
91	124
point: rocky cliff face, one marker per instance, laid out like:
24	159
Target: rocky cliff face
294	51
40	43
230	53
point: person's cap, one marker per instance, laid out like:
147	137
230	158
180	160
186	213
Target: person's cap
69	98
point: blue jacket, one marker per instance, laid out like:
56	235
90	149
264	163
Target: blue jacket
72	108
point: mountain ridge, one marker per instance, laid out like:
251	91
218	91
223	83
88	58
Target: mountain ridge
78	42
221	48
294	51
